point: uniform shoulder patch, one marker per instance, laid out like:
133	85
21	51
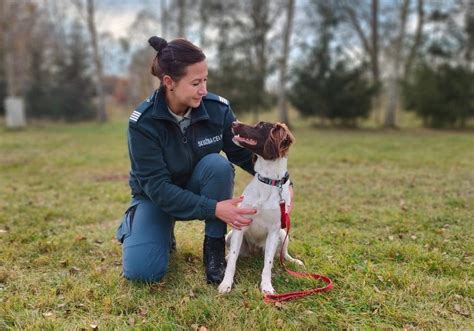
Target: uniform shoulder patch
215	97
137	112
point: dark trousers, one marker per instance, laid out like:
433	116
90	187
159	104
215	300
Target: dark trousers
146	230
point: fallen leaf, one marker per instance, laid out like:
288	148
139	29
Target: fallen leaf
94	326
403	205
390	238
460	310
308	312
48	314
413	237
3	231
80	238
376	289
142	312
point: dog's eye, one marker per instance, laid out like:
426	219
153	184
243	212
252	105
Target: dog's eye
260	124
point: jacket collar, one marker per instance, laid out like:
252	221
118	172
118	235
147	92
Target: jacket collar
160	109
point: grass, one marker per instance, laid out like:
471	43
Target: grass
388	215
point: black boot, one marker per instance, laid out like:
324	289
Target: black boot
214	259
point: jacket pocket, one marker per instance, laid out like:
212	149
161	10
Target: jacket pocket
125	228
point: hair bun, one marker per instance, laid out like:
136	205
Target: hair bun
157	43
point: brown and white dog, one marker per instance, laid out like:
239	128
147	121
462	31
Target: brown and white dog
270	143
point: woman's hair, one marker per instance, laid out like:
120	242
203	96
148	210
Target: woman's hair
172	58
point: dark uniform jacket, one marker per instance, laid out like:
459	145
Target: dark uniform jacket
163	158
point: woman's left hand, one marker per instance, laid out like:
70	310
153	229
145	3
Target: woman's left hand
292	200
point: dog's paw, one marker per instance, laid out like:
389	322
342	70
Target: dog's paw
299	262
224	287
267	289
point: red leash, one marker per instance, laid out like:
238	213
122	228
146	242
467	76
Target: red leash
286	223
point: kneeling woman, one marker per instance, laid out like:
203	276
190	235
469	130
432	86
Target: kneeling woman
177	173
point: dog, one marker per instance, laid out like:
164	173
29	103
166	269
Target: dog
270	144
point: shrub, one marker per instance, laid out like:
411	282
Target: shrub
442	97
339	94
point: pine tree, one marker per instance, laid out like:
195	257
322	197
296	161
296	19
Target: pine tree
73	89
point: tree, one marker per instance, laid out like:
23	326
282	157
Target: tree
440	89
327	88
99	75
181	18
73	89
397	49
394	72
282	94
441	96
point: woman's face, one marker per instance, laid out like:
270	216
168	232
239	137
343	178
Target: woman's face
190	89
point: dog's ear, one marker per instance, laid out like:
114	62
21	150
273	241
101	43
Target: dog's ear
284	138
278	142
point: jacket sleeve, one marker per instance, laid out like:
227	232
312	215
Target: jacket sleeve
149	167
236	154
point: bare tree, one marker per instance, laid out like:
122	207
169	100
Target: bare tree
164	19
369	40
395	72
282	98
181	18
18	23
417	39
99	75
469	22
8	25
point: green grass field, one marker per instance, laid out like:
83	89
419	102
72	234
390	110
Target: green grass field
388	215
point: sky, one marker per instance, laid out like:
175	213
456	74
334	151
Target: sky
116	16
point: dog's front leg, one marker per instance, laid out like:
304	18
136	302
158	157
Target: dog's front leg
235	243
270	249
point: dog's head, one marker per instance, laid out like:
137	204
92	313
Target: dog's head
269	140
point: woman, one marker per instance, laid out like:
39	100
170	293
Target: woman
174	140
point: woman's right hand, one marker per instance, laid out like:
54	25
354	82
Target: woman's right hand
228	212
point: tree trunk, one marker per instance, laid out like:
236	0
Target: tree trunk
469	23
101	112
371	47
260	12
181	18
394	75
7	30
417	41
204	21
282	99
164	19
374	54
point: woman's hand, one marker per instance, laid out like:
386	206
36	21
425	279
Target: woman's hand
292	200
228	212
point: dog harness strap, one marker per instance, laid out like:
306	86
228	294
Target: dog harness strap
296	294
